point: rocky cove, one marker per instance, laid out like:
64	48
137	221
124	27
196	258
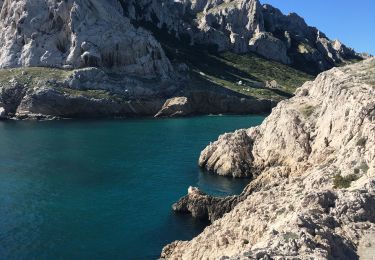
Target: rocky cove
309	167
89	58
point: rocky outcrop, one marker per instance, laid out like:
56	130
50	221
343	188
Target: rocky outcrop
203	206
313	164
90	92
178	106
231	23
210	102
234	158
29	93
2	113
76	34
269	46
299	129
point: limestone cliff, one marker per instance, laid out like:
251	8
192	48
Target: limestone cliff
313	167
75	34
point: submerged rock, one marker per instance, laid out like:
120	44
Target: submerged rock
313	164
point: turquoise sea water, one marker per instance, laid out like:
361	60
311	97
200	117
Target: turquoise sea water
103	189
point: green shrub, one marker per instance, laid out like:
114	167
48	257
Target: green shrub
340	182
307	111
362	141
290	235
364	167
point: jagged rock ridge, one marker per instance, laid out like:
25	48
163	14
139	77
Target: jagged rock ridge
313	167
242	26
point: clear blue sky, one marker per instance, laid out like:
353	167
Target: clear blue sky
350	21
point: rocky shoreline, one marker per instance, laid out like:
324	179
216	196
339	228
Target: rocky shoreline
312	165
47	93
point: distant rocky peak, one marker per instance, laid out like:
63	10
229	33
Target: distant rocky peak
243	26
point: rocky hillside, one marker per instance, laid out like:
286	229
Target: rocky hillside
243	26
128	58
312	165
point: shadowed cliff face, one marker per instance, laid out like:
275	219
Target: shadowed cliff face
312	164
75	34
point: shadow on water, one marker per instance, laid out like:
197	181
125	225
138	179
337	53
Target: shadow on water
220	185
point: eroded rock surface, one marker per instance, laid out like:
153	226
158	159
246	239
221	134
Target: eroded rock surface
314	194
325	116
75	34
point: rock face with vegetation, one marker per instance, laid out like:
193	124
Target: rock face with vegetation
136	58
312	164
242	26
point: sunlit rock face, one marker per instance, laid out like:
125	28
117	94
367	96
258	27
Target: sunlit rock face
75	34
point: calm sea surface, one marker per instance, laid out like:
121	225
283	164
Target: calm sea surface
103	189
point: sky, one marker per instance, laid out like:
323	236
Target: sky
350	21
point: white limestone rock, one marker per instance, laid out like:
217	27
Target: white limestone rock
298	206
75	34
2	112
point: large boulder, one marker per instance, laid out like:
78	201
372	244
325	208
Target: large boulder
177	106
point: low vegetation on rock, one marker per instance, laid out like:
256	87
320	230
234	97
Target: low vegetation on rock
340	182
